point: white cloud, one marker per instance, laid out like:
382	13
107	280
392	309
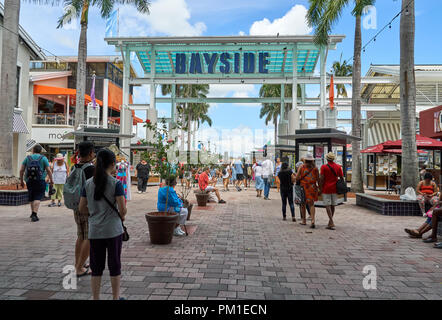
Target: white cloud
292	23
167	17
235	91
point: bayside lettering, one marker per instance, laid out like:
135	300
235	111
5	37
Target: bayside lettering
228	63
201	311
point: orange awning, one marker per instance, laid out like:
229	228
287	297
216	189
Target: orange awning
57	91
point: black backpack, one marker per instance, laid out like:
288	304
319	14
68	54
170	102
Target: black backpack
341	185
224	171
33	169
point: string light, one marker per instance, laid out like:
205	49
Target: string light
389	25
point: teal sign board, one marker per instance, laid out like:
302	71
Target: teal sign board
229	63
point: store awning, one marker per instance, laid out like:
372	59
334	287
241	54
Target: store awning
422	142
18	123
379	148
57	91
399	151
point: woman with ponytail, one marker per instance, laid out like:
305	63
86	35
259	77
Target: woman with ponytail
100	198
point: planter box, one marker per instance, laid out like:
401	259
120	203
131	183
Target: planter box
388	207
13	197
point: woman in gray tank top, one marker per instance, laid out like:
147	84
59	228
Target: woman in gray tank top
100	194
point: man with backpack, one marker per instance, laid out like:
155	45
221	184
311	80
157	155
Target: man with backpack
36	166
80	172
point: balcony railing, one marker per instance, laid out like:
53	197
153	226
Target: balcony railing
60	119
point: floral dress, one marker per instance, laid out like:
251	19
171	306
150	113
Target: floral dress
122	168
309	180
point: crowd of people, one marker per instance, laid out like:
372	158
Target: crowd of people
94	191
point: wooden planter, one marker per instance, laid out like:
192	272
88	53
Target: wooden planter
161	226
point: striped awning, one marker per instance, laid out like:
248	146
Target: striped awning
380	131
19	125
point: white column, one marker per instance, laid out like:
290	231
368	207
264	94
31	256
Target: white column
67	110
105	102
152	111
294	112
124	111
320	115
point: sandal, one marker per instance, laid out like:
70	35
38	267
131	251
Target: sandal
303	223
330	228
86	273
413	233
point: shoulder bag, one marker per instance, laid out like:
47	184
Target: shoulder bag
125	233
341	186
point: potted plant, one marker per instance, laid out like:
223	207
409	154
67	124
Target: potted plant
161	224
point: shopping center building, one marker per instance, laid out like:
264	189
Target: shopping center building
53	83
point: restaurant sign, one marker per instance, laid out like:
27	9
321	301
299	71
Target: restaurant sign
229	63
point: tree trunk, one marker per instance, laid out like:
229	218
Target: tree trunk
356	169
189	129
8	91
81	67
275	121
410	170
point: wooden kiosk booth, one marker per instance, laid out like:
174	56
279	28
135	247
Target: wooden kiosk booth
323	140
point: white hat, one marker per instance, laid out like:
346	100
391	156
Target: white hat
309	157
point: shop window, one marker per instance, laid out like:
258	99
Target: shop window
48	106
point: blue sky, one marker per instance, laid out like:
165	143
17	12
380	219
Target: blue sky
232	17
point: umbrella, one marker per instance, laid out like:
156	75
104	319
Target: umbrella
422	142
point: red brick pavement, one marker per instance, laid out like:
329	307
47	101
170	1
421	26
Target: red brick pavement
239	250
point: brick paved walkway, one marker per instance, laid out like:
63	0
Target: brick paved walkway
241	250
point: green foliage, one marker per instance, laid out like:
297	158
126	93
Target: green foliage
161	147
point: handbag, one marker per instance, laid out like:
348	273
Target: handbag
299	196
125	233
341	186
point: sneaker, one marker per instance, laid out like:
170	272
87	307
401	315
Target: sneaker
284	218
221	201
52	205
59	204
139	192
181	231
245	189
177	232
34	218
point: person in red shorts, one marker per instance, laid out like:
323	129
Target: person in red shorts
203	183
330	174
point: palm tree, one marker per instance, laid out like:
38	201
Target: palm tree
322	15
8	90
341	69
271	111
80	8
408	97
190	112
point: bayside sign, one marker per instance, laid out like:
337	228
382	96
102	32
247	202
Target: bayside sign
229	63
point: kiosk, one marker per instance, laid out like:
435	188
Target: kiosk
323	140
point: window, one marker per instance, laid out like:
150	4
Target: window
17	100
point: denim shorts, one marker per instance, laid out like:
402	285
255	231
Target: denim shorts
36	189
